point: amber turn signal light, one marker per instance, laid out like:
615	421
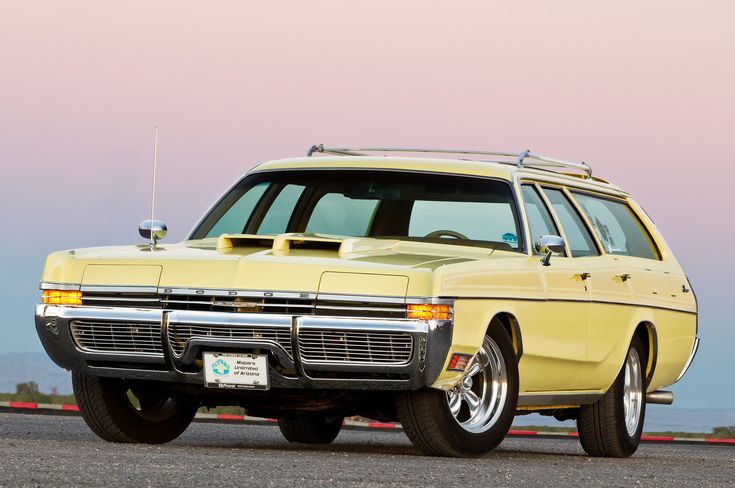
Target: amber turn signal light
62	297
429	311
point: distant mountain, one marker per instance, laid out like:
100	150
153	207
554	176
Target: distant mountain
20	367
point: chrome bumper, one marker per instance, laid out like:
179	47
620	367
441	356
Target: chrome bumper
304	351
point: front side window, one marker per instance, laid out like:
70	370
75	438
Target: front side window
540	222
480	221
424	207
579	239
620	231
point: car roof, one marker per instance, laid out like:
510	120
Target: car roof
492	169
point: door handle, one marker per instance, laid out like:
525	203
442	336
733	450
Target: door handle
624	277
583	276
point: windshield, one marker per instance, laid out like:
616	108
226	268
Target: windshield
425	207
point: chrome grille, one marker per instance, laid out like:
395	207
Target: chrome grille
289	303
337	308
336	346
179	334
296	306
120	337
281	305
121	299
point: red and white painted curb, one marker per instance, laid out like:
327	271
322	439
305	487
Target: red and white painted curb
52	409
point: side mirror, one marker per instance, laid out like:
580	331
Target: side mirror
152	230
549	245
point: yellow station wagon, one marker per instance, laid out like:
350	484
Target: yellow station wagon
449	293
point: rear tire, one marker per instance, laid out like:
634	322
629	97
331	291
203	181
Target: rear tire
152	417
612	426
473	417
310	429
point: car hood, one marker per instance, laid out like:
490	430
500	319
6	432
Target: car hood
290	262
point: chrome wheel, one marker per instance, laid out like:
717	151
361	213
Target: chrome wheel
632	392
477	401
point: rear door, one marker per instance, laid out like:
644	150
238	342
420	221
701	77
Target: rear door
626	240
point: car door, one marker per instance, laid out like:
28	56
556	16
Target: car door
625	239
557	331
607	283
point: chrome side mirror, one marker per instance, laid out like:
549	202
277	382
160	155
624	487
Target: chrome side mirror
549	245
152	230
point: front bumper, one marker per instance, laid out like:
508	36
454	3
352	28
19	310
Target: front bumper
167	345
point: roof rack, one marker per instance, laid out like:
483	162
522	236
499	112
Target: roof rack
521	159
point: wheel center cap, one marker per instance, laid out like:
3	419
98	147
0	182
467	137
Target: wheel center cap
466	383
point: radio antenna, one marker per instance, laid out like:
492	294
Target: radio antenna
153	189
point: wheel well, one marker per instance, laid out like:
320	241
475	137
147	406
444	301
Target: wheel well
646	331
510	324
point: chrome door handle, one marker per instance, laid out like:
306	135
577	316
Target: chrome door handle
583	276
624	277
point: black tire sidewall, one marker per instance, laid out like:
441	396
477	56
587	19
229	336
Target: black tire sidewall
630	443
466	443
310	429
111	411
429	422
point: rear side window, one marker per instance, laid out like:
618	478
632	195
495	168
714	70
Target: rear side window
540	222
579	239
620	231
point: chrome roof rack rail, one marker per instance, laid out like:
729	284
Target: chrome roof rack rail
522	159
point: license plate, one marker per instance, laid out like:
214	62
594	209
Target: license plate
243	371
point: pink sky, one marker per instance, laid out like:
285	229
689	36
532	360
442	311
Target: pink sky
643	91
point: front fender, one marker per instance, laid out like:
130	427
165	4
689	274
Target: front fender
472	317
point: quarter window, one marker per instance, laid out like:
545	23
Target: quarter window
579	239
620	231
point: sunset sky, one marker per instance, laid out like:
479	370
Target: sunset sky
642	91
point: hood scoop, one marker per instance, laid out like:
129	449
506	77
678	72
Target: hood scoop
283	243
286	242
280	244
231	241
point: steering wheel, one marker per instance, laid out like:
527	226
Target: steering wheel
448	233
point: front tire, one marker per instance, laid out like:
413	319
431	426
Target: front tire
612	426
310	429
473	417
140	412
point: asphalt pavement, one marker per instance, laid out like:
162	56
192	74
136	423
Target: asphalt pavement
41	450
